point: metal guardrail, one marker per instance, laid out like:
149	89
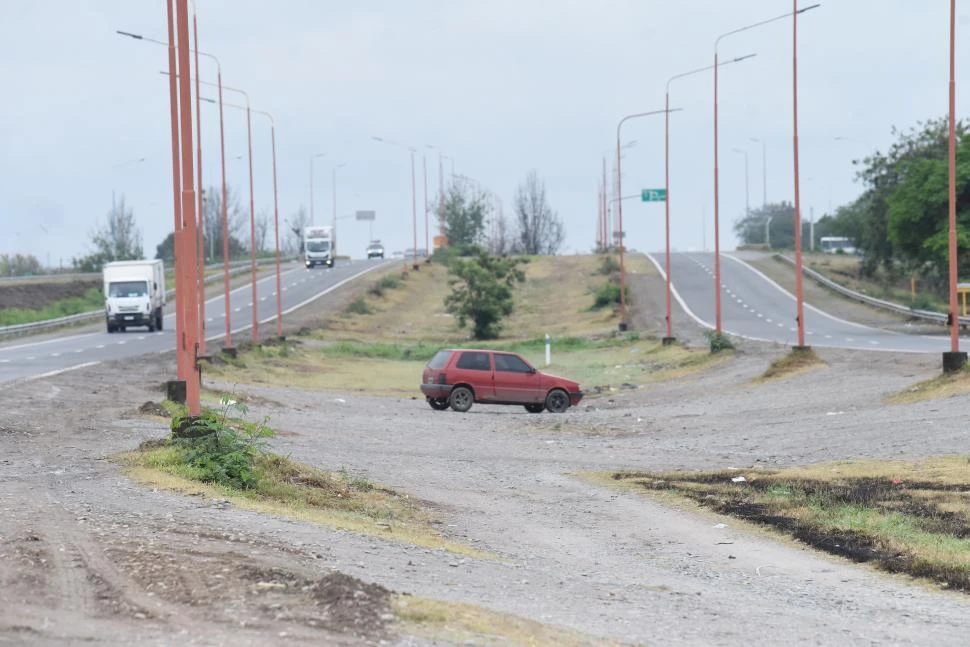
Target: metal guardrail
91	276
241	267
925	315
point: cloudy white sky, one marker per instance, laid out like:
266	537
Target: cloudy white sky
502	87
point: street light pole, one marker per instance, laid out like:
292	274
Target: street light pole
669	339
764	172
717	235
186	236
276	221
333	191
747	200
954	360
427	242
313	157
183	367
227	345
200	288
624	324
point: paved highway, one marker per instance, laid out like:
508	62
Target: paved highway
50	356
755	307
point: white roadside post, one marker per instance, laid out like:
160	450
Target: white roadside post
548	350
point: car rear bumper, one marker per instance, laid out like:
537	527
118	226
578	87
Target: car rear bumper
436	391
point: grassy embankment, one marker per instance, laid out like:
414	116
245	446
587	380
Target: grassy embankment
380	342
900	517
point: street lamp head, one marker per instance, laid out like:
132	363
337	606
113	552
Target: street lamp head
129	34
377	139
809	8
742	58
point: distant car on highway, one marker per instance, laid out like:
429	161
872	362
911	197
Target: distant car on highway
457	378
375	249
398	254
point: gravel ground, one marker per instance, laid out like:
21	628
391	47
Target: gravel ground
87	556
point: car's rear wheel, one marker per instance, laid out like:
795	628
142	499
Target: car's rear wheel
461	399
557	401
438	404
535	408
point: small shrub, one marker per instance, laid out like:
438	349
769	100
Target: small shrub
608	265
718	341
388	282
922	302
359	307
608	295
226	451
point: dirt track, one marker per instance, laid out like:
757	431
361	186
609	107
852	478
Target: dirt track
87	556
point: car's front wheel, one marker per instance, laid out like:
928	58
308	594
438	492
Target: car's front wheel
438	404
461	399
535	408
557	401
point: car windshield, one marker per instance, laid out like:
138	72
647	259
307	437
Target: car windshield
318	246
128	289
440	359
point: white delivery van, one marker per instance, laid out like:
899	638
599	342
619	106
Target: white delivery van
318	246
134	294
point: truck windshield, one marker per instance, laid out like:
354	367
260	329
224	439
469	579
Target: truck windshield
318	245
128	289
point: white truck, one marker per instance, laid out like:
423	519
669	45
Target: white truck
319	246
134	294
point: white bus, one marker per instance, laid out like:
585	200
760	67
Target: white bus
832	244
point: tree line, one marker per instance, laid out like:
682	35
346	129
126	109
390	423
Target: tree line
900	222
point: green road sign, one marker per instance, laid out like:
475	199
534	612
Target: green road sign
653	195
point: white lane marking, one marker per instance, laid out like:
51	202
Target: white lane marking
211	319
31	358
828	336
769	321
140	337
327	291
760	316
122	342
99	346
793	298
262	298
4	361
781	325
873	342
59	371
238	309
48	341
79	350
55	354
250	304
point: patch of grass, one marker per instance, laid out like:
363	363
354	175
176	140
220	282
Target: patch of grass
608	295
458	623
608	265
385	283
902	517
230	461
359	307
92	300
798	360
945	385
600	364
718	341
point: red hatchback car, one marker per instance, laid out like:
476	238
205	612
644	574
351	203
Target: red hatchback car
457	378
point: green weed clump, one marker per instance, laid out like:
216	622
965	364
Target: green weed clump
608	295
608	265
718	341
221	449
359	307
388	282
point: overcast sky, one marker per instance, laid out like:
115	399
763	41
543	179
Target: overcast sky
501	86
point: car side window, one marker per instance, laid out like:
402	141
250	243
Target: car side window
511	364
474	361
